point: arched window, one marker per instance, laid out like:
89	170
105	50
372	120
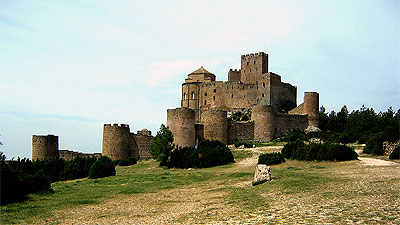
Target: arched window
184	96
192	95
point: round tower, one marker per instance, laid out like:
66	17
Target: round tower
311	107
44	147
263	116
116	141
181	122
215	125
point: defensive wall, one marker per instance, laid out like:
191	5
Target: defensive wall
71	155
206	102
118	143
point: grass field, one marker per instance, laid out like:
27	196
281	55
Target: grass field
308	192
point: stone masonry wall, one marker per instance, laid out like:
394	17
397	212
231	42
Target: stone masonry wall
215	125
44	147
181	122
234	75
263	117
143	144
71	155
116	141
284	123
240	131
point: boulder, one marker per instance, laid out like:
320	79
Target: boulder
263	173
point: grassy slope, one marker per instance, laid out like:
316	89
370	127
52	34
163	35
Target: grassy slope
319	192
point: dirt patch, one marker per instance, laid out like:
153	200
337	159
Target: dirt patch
376	162
185	205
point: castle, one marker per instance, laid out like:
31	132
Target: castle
206	104
205	107
118	143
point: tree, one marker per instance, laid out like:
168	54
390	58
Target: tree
162	146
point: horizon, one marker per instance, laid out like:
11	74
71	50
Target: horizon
68	68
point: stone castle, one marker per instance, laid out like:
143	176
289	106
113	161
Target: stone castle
205	106
271	103
118	143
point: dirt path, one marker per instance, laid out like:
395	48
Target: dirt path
376	162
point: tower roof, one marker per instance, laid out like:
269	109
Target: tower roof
201	70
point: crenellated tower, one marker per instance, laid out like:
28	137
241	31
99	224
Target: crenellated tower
253	65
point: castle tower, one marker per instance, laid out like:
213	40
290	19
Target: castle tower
44	147
253	65
234	75
215	125
191	89
116	141
181	122
311	107
264	128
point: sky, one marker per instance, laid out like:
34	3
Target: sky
68	67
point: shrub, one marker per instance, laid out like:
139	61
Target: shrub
126	162
319	152
374	145
10	185
77	168
395	154
291	147
246	145
51	168
208	154
271	158
102	167
161	147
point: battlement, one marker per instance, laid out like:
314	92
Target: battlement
144	131
116	125
254	54
234	70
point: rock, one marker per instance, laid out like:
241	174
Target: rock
388	147
263	173
312	129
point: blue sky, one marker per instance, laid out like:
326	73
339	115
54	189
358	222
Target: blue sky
68	67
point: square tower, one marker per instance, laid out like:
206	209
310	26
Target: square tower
253	65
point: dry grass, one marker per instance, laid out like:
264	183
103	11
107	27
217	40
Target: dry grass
300	192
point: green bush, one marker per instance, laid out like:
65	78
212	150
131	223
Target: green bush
10	185
395	154
374	145
126	162
102	167
19	178
246	145
77	168
291	147
51	168
208	154
271	158
318	151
